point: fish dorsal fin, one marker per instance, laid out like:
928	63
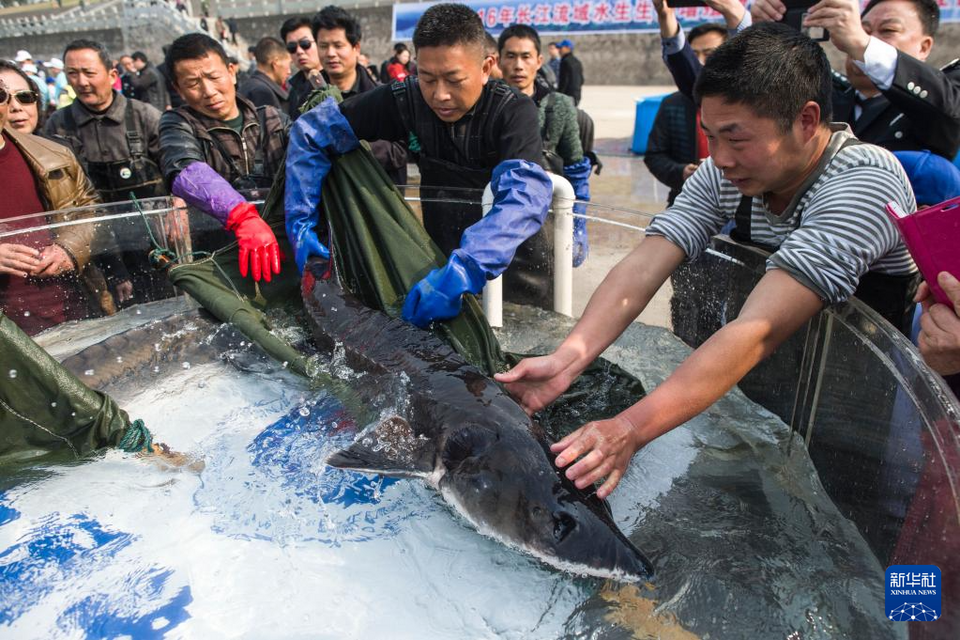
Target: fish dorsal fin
391	449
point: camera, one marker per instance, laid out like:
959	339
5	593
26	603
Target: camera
795	15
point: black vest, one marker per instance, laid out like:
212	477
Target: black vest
136	174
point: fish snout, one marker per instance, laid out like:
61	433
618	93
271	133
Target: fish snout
582	538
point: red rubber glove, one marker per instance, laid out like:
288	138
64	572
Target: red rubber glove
257	242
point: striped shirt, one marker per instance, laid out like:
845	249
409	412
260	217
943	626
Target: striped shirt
827	238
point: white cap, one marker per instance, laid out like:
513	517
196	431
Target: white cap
55	63
23	55
29	68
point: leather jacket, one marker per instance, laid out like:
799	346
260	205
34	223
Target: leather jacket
62	184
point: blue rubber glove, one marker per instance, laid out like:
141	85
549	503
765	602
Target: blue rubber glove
440	295
315	139
522	192
579	176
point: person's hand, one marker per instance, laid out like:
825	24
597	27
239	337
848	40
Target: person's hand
689	169
602	449
439	295
259	251
667	18
842	19
316	79
124	291
731	10
18	259
536	382
54	261
767	10
939	338
176	221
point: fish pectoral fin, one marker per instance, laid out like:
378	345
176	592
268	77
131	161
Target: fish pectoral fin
390	449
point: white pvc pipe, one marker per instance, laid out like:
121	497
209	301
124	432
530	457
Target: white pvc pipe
563	198
562	211
493	291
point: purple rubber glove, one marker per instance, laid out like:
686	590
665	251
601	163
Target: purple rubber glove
205	189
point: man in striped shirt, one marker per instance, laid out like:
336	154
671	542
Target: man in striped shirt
807	190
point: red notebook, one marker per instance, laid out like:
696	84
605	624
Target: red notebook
933	237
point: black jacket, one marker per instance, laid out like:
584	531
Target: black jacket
570	81
262	91
149	87
672	144
392	156
187	136
298	90
920	110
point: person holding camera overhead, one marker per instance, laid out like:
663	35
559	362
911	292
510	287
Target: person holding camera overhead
890	95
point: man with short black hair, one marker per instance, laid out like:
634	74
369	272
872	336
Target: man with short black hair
805	190
265	86
297	35
338	36
148	82
117	140
220	143
470	132
891	96
338	39
520	60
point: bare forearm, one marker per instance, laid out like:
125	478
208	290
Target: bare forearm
621	297
775	310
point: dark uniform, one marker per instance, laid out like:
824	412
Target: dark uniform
299	89
150	87
262	91
570	81
462	155
920	110
120	152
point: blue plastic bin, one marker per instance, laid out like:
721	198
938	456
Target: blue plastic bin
646	111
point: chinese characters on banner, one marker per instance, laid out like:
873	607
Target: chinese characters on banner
558	16
582	16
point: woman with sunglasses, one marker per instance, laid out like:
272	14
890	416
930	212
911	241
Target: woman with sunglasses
24	113
38	269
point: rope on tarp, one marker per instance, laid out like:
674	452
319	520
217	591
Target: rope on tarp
136	439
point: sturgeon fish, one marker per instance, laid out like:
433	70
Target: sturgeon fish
464	436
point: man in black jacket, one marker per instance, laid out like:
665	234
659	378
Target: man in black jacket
570	81
677	144
148	82
891	96
218	145
297	34
338	40
265	86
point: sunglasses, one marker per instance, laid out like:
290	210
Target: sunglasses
24	96
303	44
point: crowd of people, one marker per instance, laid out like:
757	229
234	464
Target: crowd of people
762	140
